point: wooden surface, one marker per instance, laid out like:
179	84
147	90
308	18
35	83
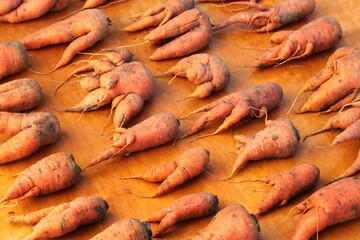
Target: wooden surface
83	137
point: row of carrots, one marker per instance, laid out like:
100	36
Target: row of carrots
235	108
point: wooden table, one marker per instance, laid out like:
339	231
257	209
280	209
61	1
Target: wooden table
84	139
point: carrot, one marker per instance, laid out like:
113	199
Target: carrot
66	217
19	95
159	14
53	173
189	207
350	133
303	42
30	131
339	121
348	99
84	29
352	169
30	218
7	6
90	83
186	41
26	10
172	174
13	58
279	139
232	222
127	228
154	131
344	78
284	13
209	72
126	108
238	108
333	204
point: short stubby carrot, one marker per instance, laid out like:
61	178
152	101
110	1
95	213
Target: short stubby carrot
333	204
83	30
209	72
154	131
19	95
26	10
284	13
316	36
191	30
238	108
50	174
127	228
64	218
189	207
30	131
279	139
172	174
13	58
232	222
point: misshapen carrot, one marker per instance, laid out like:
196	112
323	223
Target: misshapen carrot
13	58
19	95
351	132
191	30
159	14
128	228
333	204
189	207
238	108
30	131
279	139
53	173
154	131
83	30
65	217
303	42
232	222
172	174
284	13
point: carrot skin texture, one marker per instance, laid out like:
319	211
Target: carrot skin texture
189	42
86	27
130	106
188	207
279	139
20	95
154	131
32	218
53	173
284	13
231	223
303	42
30	131
7	6
13	58
93	3
160	14
128	228
333	204
350	133
80	211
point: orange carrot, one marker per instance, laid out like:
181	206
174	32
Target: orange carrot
26	10
350	133
279	139
284	13
53	173
238	108
84	29
333	204
7	6
232	222
339	121
126	108
186	41
354	168
172	174
154	131
90	83
303	42
189	207
66	217
159	14
30	131
19	95
344	78
128	228
209	72
13	58
31	218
